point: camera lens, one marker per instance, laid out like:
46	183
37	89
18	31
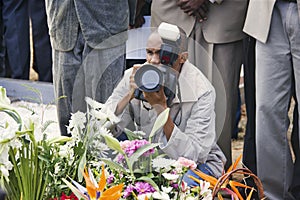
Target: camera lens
148	78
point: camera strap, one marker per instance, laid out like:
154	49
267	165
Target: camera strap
177	123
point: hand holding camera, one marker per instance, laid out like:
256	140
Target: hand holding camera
151	78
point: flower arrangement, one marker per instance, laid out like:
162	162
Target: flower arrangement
148	175
26	154
33	166
135	163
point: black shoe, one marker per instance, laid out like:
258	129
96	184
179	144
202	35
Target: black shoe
296	192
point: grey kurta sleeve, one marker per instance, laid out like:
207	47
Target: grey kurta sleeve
196	140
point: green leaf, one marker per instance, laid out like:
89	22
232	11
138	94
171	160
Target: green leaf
14	115
114	165
136	155
47	124
131	135
81	167
150	181
59	139
160	121
113	143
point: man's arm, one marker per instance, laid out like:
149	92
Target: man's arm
158	101
129	95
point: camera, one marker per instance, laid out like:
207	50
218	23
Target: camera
150	78
170	48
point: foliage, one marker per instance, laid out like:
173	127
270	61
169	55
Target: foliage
26	154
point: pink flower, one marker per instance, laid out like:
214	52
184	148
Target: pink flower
187	163
125	144
132	146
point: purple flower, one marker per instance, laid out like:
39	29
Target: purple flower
110	178
143	188
128	191
175	186
120	158
135	145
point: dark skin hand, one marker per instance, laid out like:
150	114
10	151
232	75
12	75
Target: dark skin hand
197	8
158	101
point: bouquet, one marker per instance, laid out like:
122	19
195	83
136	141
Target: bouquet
27	155
136	163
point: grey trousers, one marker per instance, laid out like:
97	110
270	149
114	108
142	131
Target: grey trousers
277	61
221	64
82	72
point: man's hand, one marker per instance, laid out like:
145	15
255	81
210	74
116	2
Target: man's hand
130	95
157	100
132	83
197	8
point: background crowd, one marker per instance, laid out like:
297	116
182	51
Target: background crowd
263	36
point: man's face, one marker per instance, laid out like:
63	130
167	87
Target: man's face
153	49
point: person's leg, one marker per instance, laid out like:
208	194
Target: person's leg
273	94
295	187
98	76
16	35
295	43
238	114
65	68
228	59
203	168
41	40
2	48
249	150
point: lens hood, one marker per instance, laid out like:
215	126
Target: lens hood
148	78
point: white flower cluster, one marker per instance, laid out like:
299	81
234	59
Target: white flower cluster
89	128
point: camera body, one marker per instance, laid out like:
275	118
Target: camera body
150	78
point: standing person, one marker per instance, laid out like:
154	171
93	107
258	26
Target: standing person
190	128
2	48
16	36
42	51
88	40
275	24
215	31
16	16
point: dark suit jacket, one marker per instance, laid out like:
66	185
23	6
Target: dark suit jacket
224	21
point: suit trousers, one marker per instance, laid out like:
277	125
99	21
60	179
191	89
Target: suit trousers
16	15
16	36
249	150
82	72
277	61
2	48
221	64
